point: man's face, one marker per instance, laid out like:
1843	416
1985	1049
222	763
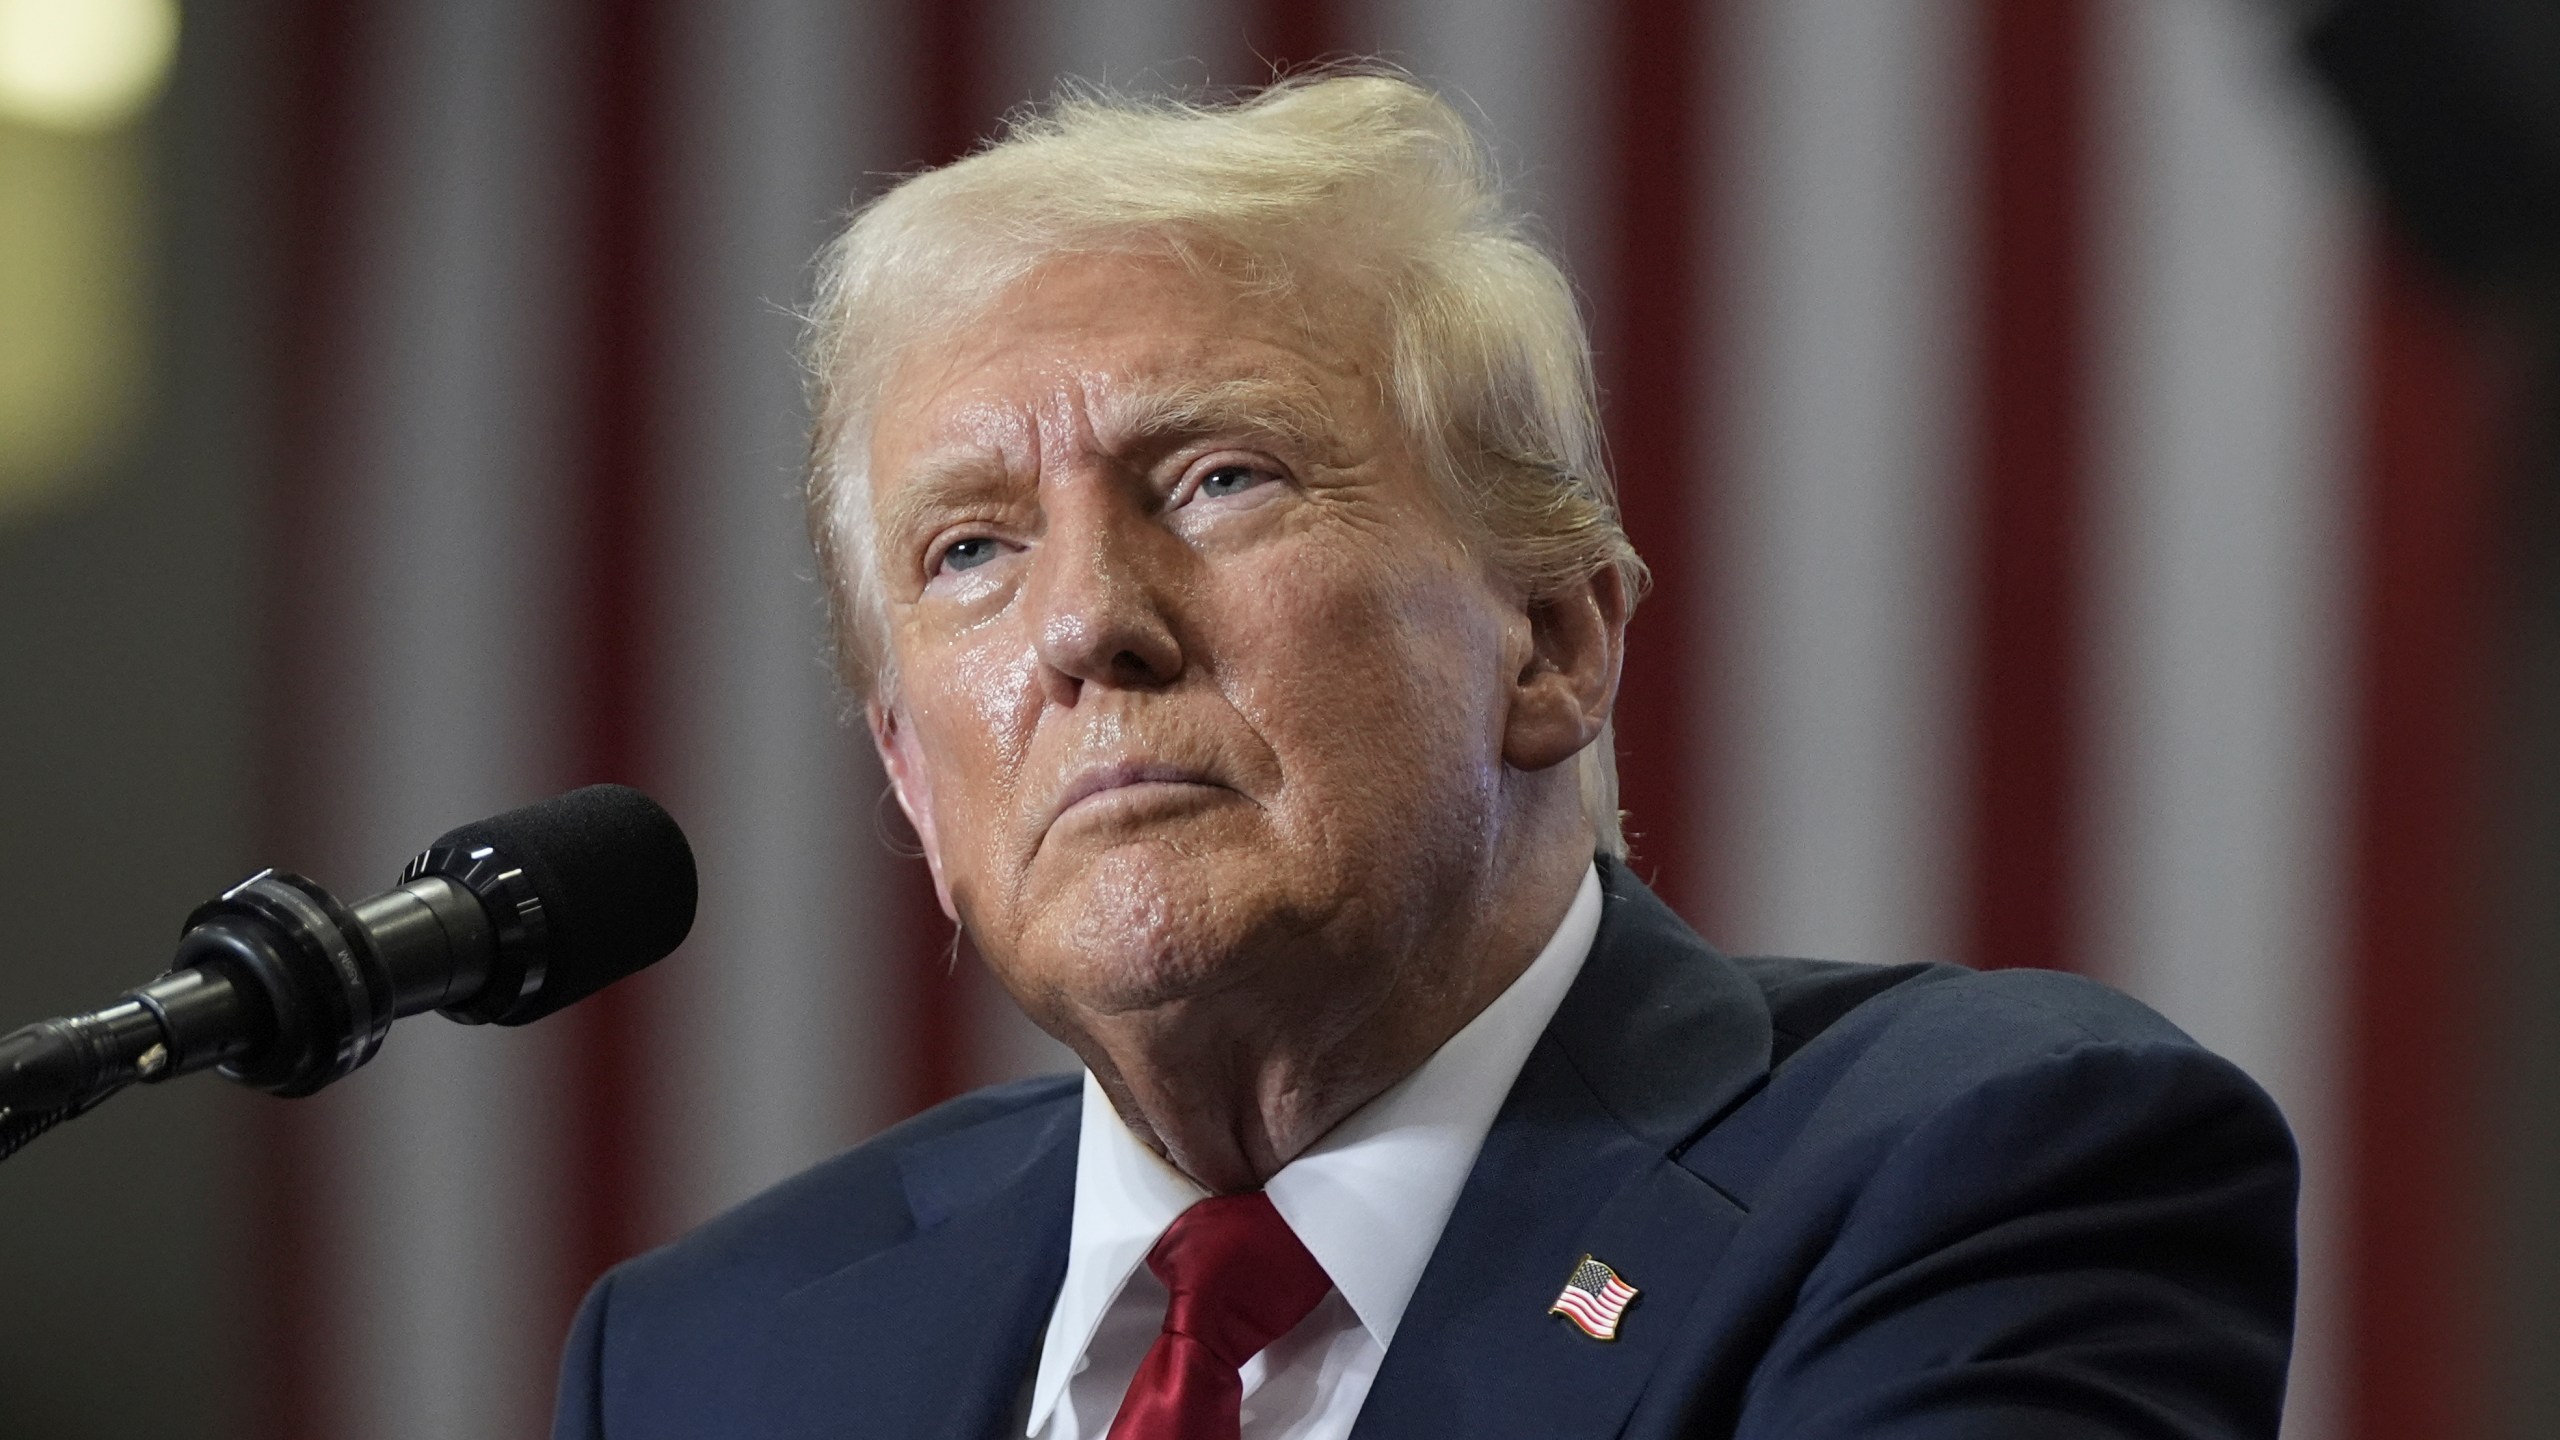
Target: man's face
1199	684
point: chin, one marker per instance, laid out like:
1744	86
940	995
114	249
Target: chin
1149	924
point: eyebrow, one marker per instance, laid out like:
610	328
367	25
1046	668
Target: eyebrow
950	480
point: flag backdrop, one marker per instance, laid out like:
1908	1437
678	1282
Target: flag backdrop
2070	514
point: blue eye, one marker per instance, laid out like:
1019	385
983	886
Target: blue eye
968	554
1229	480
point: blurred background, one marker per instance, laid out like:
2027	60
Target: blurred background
2100	460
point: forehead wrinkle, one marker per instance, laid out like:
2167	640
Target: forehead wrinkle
992	449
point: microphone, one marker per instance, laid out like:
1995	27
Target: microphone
280	986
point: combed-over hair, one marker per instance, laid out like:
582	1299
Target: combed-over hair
1362	186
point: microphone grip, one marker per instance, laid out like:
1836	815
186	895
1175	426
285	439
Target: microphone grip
182	1022
53	1063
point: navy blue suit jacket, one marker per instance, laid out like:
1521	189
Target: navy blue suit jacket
1874	1202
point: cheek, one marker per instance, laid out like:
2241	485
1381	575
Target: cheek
974	707
1388	692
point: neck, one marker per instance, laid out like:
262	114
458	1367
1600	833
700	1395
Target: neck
1230	1087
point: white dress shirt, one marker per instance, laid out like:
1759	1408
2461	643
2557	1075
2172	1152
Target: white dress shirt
1368	1200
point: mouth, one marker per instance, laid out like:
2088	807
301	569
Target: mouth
1103	785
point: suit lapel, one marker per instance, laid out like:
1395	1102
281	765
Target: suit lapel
1658	1036
932	1338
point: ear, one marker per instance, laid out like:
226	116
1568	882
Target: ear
1562	696
911	780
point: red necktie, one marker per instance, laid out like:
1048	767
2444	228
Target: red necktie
1239	1280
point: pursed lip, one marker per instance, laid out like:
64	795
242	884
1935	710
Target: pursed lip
1119	775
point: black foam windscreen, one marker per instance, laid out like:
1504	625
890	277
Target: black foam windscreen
616	880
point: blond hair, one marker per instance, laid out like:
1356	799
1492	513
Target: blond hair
1348	185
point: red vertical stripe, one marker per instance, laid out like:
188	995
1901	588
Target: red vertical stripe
956	112
1288	35
316	144
615	510
2030	456
954	103
2420	857
1652	362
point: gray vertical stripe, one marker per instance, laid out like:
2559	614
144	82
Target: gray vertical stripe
1526	70
782	997
452	693
1130	45
2223	618
1845	354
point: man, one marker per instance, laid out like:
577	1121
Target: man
1222	549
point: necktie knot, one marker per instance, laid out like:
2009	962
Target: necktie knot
1238	1275
1238	1278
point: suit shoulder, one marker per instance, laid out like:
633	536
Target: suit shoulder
2021	1166
2015	1011
1863	1055
674	1336
851	1205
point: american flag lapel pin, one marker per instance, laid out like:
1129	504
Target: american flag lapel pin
1594	1299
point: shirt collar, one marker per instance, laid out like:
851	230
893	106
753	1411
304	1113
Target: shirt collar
1369	1200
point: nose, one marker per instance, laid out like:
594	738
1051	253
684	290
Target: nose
1098	603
